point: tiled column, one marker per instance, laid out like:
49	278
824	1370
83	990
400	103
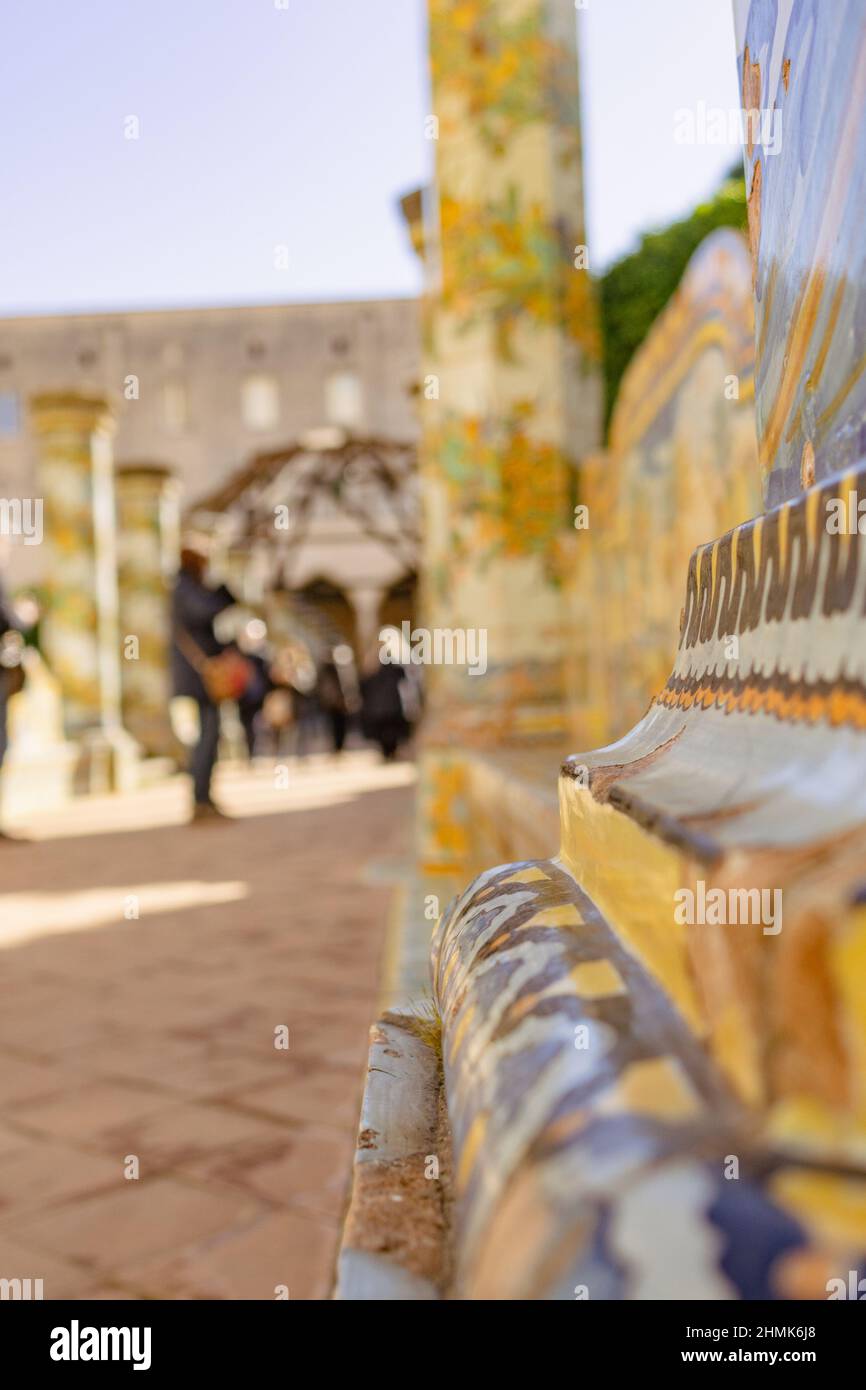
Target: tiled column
79	630
510	397
148	518
79	624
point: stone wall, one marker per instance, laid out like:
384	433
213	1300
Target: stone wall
190	366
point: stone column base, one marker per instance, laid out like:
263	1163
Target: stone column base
108	761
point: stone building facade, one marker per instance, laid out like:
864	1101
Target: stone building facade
202	390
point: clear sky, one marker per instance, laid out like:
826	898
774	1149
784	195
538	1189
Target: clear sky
296	127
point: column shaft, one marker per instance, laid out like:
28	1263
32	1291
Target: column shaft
79	622
148	545
510	398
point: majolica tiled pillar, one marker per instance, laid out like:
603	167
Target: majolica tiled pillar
148	517
510	396
79	625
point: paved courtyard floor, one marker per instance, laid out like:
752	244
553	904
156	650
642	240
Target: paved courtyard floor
147	970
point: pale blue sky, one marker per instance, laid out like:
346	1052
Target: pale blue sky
298	127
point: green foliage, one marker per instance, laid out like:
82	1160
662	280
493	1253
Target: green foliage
634	290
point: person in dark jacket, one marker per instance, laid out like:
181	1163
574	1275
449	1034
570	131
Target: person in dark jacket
383	717
194	607
332	701
251	702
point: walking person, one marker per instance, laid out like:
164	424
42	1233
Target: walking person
384	692
253	644
252	702
332	702
194	645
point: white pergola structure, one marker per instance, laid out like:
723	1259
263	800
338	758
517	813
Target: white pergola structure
329	514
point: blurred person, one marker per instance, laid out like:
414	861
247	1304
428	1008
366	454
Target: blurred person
332	697
344	659
293	670
384	705
194	646
252	642
277	716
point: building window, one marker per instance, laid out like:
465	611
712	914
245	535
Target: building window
344	400
10	414
260	402
175	411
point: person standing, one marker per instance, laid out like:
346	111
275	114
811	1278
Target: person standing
332	701
252	642
194	642
252	701
383	711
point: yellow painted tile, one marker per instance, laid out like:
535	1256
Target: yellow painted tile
449	969
597	979
460	1032
810	1126
567	915
526	876
735	1047
470	1149
657	1087
632	877
833	1207
848	962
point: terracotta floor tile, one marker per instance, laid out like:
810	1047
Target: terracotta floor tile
140	1220
22	1081
45	1173
280	1249
188	1132
155	1037
314	1170
87	1112
60	1279
328	1096
11	1141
